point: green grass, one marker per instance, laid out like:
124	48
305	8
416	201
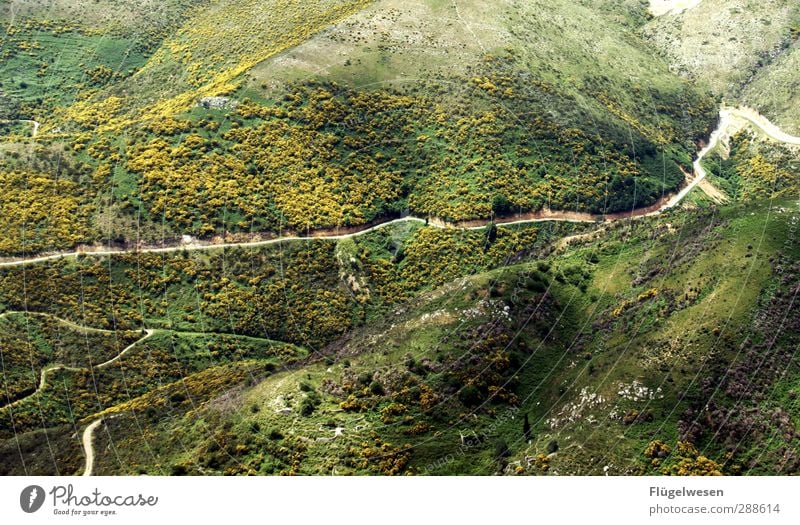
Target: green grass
31	343
713	276
742	40
774	90
57	70
410	337
545	115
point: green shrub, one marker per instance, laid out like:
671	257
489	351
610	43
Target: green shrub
376	388
470	396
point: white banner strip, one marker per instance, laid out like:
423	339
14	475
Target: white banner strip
353	501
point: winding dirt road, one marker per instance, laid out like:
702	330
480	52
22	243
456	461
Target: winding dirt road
52	368
33	123
148	334
88	446
731	121
761	122
88	433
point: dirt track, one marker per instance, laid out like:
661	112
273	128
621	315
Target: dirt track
730	120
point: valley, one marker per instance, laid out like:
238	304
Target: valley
399	238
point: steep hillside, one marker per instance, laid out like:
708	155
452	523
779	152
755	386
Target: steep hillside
217	319
57	52
505	109
725	43
775	90
284	237
204	57
637	349
754	169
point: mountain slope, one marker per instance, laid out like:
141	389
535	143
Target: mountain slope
775	90
515	108
724	43
626	354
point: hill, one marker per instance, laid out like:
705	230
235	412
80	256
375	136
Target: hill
623	351
742	50
775	90
277	334
518	112
662	345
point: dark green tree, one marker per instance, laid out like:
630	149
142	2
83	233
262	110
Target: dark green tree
501	450
526	428
500	205
491	235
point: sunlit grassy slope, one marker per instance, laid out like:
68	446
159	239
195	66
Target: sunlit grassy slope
206	55
724	43
775	90
598	77
56	52
648	348
451	110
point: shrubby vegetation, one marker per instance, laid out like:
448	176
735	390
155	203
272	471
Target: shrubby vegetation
31	342
418	349
40	212
756	170
177	369
326	155
397	406
293	292
423	375
206	56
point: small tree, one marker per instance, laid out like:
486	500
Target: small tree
307	407
501	450
501	454
526	428
500	205
376	389
491	234
470	396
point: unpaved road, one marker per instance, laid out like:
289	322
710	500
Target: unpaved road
731	120
52	368
148	333
33	123
761	122
88	446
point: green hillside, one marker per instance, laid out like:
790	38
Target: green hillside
658	346
639	349
353	237
746	51
774	90
514	109
724	43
